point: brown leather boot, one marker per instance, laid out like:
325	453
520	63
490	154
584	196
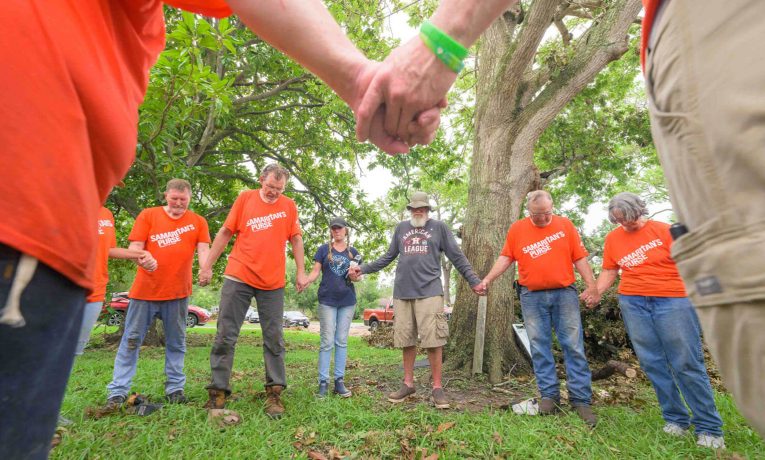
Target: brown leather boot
274	406
217	399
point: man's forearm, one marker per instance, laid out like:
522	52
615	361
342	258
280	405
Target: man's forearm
502	264
299	252
465	20
305	31
219	245
125	253
584	269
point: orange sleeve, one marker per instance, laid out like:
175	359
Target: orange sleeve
507	249
141	227
214	8
232	220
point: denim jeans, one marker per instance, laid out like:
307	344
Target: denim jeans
557	308
334	322
666	336
89	318
35	360
139	317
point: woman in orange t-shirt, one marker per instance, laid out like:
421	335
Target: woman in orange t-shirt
660	320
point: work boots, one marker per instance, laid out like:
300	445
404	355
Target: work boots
217	399
274	406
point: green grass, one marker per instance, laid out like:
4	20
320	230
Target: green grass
365	426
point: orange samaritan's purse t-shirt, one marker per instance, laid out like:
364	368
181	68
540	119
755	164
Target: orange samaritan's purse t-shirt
107	239
262	231
172	243
74	74
545	255
645	261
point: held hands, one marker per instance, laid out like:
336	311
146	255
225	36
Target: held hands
205	276
481	288
146	261
398	102
591	297
354	273
301	281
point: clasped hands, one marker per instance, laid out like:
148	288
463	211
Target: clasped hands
398	102
146	261
590	296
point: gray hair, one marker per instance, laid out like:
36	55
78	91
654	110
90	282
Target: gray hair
629	205
277	170
538	195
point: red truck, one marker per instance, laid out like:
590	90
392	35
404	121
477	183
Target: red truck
373	317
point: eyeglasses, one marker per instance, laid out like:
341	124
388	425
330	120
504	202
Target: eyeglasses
540	214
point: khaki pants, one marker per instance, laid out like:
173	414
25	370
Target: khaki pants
705	77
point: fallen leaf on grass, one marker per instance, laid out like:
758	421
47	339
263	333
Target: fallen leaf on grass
445	426
497	438
316	455
223	417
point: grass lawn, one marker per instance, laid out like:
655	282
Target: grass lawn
364	426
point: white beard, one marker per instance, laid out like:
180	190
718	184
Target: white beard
418	222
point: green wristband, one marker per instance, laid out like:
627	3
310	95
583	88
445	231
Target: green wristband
447	49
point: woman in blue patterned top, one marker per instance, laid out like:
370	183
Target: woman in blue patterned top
337	303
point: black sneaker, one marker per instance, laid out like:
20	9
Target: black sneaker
177	397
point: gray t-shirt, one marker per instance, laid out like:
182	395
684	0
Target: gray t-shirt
418	273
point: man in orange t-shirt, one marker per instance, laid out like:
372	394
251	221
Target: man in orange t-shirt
263	221
547	248
171	233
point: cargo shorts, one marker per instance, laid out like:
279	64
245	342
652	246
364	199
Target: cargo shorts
423	317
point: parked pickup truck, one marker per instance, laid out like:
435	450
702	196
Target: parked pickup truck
374	317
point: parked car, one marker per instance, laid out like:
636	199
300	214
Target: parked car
252	315
117	309
295	318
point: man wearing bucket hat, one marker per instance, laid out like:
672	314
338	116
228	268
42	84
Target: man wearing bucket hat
418	300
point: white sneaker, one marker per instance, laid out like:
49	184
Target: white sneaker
712	442
675	430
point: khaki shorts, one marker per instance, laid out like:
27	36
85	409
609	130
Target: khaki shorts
423	317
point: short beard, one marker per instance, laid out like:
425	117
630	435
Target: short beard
418	222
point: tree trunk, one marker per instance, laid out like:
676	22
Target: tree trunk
516	101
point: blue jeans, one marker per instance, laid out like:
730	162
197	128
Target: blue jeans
559	309
89	318
139	316
35	360
666	336
334	322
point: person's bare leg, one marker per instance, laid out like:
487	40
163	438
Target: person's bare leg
410	353
435	357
